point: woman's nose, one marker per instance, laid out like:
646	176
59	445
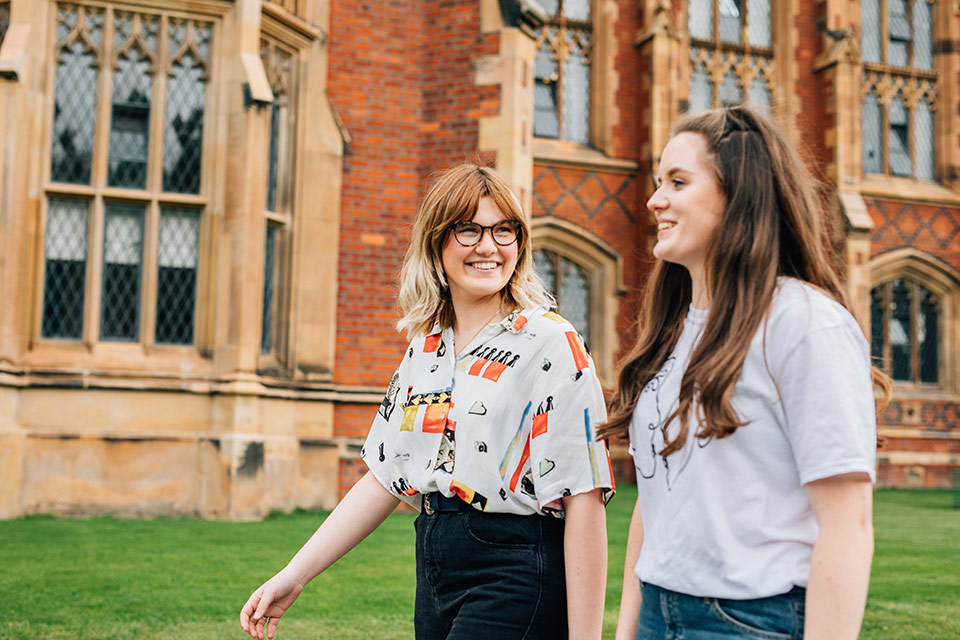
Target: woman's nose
657	201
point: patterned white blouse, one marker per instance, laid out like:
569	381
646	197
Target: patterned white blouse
509	426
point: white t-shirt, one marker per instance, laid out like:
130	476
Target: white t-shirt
508	426
730	518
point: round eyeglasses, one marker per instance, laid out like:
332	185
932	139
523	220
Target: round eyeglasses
504	233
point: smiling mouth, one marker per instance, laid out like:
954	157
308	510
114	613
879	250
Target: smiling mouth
484	266
663	226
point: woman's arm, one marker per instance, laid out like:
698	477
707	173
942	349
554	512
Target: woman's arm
585	556
629	615
840	566
361	511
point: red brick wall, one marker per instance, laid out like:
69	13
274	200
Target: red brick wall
375	76
814	90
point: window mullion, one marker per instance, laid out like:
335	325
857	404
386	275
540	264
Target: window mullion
94	272
148	275
101	129
157	109
915	319
887	319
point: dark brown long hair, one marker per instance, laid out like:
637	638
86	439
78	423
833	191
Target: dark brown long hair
771	226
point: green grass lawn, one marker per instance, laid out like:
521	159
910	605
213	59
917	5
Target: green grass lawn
187	579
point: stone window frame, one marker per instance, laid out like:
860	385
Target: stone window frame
944	282
604	82
603	267
90	348
280	56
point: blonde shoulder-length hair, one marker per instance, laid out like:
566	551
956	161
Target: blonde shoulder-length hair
454	196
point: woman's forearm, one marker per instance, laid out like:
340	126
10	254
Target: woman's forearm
585	557
840	565
629	616
361	511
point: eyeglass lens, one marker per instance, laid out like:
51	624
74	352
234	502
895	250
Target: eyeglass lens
469	233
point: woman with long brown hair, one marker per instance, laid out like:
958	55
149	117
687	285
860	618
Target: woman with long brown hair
748	401
488	429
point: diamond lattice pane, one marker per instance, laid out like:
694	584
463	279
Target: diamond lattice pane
269	290
900	331
65	268
700	19
183	126
577	10
923	140
870	30
759	94
898	139
928	335
730	20
122	258
273	157
701	89
876	326
177	256
922	35
758	23
545	123
731	93
576	96
130	121
74	113
899	26
543	265
550	7
872	134
575	297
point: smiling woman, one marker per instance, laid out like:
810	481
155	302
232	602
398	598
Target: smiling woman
487	428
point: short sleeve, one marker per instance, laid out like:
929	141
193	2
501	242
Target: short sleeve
376	450
827	393
565	455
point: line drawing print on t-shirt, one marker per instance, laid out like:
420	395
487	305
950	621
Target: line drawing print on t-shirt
671	473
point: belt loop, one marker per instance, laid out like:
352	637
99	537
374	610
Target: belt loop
426	504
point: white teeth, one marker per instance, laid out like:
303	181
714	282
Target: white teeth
665	225
484	265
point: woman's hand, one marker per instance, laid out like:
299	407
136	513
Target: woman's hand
270	601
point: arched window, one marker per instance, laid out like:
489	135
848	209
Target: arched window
569	284
905	331
586	277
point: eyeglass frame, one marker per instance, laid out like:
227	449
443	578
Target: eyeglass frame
516	224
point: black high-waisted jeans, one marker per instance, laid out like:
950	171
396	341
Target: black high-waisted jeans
489	576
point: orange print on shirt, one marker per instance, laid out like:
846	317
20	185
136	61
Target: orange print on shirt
432	343
539	425
580	357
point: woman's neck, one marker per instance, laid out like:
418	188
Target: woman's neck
471	317
699	295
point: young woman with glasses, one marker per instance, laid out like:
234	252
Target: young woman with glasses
487	428
748	403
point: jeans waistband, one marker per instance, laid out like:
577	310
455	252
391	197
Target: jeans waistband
436	502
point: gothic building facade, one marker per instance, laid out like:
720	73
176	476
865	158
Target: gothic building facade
204	204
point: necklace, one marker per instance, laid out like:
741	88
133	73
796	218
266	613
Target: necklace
456	352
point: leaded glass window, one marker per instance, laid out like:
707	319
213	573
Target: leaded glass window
899	89
562	72
570	285
905	331
279	65
186	101
135	63
149	121
178	251
65	268
122	258
79	55
731	53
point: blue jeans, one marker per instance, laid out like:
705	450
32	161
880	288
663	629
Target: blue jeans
489	576
668	615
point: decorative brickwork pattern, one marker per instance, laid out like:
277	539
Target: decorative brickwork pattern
933	415
929	228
